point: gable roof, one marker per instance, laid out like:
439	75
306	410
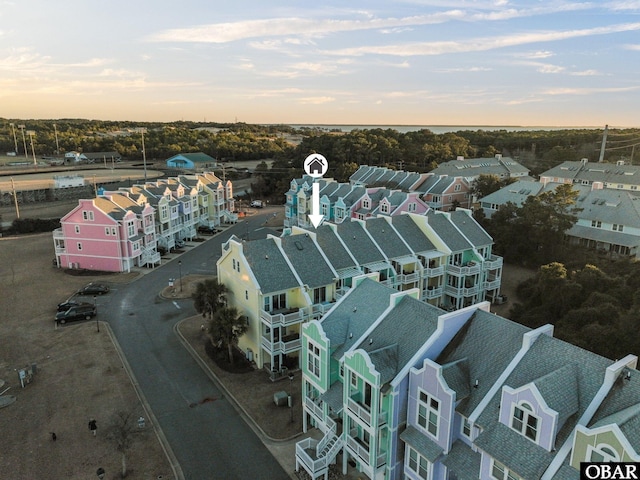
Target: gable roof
412	234
387	238
333	248
268	265
467	225
307	261
447	231
356	239
198	157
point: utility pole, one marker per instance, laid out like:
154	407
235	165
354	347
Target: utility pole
24	141
15	198
55	131
31	133
604	144
144	155
15	140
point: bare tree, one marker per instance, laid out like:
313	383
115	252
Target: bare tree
121	432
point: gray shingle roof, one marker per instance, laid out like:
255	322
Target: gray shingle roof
409	324
607	173
358	242
621	406
470	344
447	231
269	266
470	229
333	249
354	314
463	462
422	444
412	234
307	260
474	167
386	238
456	374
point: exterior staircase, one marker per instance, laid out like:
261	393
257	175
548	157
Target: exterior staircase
228	216
315	456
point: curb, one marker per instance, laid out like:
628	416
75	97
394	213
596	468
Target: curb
173	461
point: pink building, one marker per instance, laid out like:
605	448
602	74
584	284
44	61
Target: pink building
101	235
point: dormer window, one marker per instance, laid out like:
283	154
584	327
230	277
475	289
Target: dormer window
602	453
366	203
428	412
524	421
384	207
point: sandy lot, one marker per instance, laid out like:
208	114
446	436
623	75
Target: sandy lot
79	376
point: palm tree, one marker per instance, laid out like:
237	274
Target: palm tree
226	327
209	297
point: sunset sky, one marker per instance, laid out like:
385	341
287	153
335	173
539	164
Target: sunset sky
413	62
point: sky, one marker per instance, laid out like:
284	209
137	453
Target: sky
411	62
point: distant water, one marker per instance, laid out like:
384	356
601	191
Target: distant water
437	129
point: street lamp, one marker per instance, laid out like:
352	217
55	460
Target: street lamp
291	397
96	307
180	272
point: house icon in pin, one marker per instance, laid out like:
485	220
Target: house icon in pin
315	165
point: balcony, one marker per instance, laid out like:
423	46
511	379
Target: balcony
319	309
364	413
288	344
461	291
432	292
493	263
405	278
434	271
471	268
283	318
491	284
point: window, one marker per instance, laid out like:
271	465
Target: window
246	294
524	421
384	207
366	203
107	231
131	229
428	412
412	207
79	245
319	295
466	428
617	227
418	464
279	302
234	263
77	228
87	215
500	472
603	453
113	231
324	209
456	188
313	359
596	223
353	379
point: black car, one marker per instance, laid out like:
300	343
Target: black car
64	306
78	312
94	289
205	229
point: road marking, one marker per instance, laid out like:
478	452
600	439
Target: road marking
176	304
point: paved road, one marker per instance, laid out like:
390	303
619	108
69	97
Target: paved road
206	434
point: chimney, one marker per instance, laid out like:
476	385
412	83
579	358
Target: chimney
460	157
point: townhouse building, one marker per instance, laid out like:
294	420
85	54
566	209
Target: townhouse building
608	219
279	284
124	228
406	390
618	176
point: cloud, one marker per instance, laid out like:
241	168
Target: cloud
299	26
586	73
481	44
315	100
589	91
464	70
632	47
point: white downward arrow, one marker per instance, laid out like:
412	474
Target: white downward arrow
315	216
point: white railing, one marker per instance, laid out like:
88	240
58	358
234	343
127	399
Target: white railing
469	269
281	346
432	292
323	456
461	291
434	271
283	319
316	410
491	284
493	263
408	277
360	411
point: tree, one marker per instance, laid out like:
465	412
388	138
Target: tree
485	185
121	433
226	327
209	297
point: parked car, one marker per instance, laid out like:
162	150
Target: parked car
206	229
179	243
94	289
84	311
257	204
64	306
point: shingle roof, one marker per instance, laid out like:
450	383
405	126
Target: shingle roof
422	444
412	234
108	207
386	238
470	344
474	167
407	326
470	228
269	266
333	248
446	230
463	462
307	260
354	314
357	240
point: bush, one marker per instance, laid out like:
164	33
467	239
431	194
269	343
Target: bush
33	225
